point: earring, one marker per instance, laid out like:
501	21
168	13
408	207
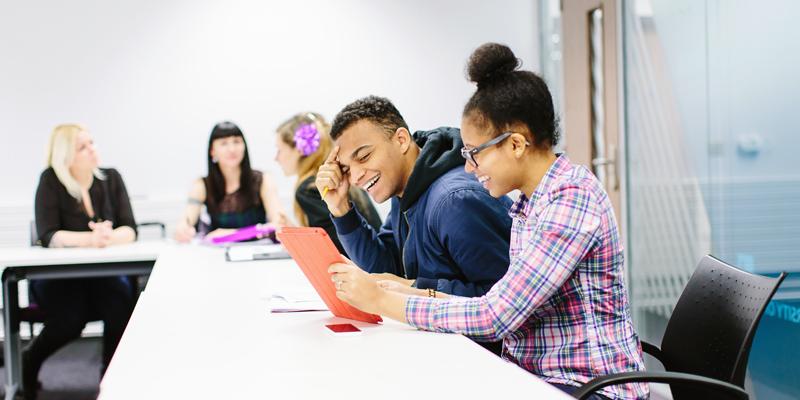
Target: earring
214	160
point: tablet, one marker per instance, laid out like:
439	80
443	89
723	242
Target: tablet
314	252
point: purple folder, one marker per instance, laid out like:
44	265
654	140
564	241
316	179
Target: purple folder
246	233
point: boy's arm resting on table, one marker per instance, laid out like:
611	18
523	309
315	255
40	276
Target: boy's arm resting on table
374	251
476	239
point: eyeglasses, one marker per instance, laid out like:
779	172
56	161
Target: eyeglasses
469	154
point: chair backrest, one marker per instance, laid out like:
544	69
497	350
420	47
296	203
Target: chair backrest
713	324
157	224
34	235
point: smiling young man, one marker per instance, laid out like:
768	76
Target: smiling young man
444	232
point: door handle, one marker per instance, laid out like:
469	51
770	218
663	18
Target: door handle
609	163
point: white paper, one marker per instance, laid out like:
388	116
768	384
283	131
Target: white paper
253	252
295	302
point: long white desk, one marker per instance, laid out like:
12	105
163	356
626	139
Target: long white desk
41	263
179	344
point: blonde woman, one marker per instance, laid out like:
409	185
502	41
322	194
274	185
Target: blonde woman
303	144
78	204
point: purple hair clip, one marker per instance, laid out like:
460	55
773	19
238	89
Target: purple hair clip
306	139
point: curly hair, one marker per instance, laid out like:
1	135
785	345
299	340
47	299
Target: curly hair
378	110
507	95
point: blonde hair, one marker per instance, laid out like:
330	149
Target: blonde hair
308	165
60	154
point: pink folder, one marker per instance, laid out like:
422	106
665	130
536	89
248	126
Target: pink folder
246	233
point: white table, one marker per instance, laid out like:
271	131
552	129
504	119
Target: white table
43	263
179	344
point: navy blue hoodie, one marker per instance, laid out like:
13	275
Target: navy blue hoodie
446	231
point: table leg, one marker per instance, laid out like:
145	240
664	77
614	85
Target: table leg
11	344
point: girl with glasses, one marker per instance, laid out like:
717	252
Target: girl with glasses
562	308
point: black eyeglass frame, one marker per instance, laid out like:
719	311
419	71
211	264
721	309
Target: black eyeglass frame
469	154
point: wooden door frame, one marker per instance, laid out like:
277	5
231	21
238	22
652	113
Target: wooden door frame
577	91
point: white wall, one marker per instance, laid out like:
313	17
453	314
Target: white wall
150	78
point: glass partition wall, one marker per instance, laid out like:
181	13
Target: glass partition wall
710	113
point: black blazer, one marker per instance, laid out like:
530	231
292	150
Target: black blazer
57	210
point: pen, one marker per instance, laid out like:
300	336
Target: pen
325	191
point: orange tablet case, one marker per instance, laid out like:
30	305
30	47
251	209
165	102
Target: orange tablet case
314	252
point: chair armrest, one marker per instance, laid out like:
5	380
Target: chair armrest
653	350
658	377
155	223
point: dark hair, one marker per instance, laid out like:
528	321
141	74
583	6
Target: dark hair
215	181
378	110
507	95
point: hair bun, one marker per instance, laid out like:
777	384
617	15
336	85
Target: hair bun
489	62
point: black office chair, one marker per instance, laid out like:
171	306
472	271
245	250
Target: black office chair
708	337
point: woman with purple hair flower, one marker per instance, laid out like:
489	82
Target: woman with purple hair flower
302	146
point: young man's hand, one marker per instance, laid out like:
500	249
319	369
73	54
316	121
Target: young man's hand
333	185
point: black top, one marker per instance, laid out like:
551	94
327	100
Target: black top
318	215
57	210
235	210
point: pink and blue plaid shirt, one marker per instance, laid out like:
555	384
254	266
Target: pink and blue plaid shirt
561	309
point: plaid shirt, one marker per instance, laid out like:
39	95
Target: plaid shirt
561	309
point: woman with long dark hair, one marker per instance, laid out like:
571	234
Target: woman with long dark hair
234	194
